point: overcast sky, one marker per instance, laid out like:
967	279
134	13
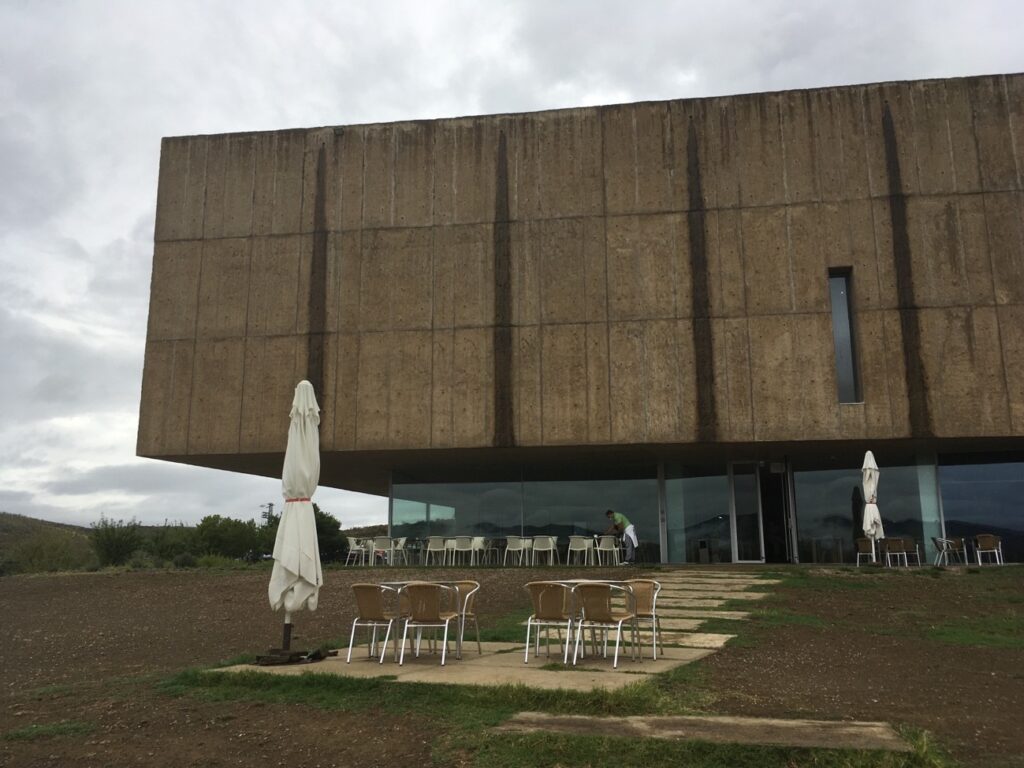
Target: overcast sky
87	89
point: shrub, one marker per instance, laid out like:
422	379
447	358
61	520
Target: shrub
216	535
140	560
184	560
115	540
333	543
168	541
52	549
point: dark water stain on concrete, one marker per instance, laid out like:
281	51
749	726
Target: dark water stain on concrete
504	428
703	347
910	323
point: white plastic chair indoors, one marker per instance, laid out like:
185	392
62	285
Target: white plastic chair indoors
514	546
480	552
582	547
463	551
607	550
435	549
546	545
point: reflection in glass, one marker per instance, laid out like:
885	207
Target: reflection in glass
697	516
985	498
746	498
531	507
842	334
830	508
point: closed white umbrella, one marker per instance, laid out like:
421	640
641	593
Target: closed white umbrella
297	577
872	518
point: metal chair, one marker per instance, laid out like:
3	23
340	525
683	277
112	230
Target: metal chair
425	610
466	594
895	548
912	549
552	607
596	612
945	549
988	544
372	614
865	548
645	606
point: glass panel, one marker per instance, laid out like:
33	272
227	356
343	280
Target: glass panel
928	491
697	516
985	498
464	509
748	518
408	518
566	507
842	333
830	508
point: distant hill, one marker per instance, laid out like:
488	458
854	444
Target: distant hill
16	529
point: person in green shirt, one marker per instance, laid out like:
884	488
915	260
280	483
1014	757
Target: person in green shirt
620	524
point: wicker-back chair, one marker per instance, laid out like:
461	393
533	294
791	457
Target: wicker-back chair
552	607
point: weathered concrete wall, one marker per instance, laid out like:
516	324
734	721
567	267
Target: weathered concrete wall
644	273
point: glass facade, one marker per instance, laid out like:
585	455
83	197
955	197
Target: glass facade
532	505
697	516
985	498
830	508
711	510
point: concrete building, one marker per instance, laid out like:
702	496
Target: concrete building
699	312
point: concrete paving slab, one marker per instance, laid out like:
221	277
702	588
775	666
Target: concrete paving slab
709	573
716	586
815	734
690	602
500	664
696	639
702	614
669	622
709	593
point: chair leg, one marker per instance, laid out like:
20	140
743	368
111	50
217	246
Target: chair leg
405	633
526	657
351	641
618	637
384	645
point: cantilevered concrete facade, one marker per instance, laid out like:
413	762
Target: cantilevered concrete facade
649	276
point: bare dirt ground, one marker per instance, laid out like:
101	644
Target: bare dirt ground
88	647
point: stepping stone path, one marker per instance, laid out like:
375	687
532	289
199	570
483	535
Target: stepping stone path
688	599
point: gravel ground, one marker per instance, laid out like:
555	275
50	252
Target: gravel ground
87	647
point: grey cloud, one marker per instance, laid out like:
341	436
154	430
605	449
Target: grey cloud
80	132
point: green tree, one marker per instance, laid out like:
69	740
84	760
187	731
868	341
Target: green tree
333	543
115	540
168	541
225	536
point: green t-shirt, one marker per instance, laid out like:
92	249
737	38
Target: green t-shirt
621	520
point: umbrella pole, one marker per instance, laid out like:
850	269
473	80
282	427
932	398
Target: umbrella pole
286	640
